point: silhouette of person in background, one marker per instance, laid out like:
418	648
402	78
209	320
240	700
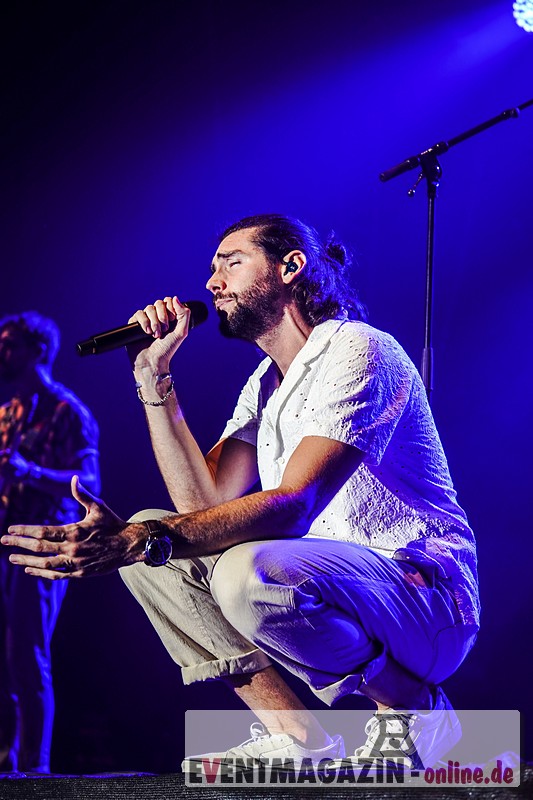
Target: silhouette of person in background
46	436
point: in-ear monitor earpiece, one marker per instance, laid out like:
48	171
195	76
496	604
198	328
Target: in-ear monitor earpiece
290	266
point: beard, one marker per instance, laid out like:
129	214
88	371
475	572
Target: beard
255	312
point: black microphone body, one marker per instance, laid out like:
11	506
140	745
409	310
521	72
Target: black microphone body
128	334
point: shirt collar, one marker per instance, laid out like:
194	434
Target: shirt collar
318	339
317	342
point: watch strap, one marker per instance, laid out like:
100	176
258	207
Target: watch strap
153	527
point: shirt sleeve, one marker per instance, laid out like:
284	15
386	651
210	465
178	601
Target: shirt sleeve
243	424
361	394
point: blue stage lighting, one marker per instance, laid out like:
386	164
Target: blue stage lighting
523	14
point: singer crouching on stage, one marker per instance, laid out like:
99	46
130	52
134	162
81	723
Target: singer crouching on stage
353	567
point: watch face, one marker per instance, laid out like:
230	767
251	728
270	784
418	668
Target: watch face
158	551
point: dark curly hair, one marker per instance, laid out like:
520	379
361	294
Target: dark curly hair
321	291
36	330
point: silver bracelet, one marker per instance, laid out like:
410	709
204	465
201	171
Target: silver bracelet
165	397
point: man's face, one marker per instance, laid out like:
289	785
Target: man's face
247	291
17	356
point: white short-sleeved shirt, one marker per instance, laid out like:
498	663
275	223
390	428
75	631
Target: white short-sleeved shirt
355	384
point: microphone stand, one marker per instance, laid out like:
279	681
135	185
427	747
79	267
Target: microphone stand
431	170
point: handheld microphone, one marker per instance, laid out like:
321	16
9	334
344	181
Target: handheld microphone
128	334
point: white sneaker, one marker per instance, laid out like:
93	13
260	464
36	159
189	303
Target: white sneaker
277	750
417	739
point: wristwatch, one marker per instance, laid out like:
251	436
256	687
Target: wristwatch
158	550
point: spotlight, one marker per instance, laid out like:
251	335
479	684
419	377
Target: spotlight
523	14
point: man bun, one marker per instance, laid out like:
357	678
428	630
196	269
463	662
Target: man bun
337	251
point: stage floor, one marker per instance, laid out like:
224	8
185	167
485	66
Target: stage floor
123	786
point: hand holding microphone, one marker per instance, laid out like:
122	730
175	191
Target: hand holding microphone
164	325
154	321
152	336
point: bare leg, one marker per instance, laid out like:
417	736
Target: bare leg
281	711
277	707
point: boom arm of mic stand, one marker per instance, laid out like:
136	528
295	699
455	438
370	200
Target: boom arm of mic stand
441	147
431	171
